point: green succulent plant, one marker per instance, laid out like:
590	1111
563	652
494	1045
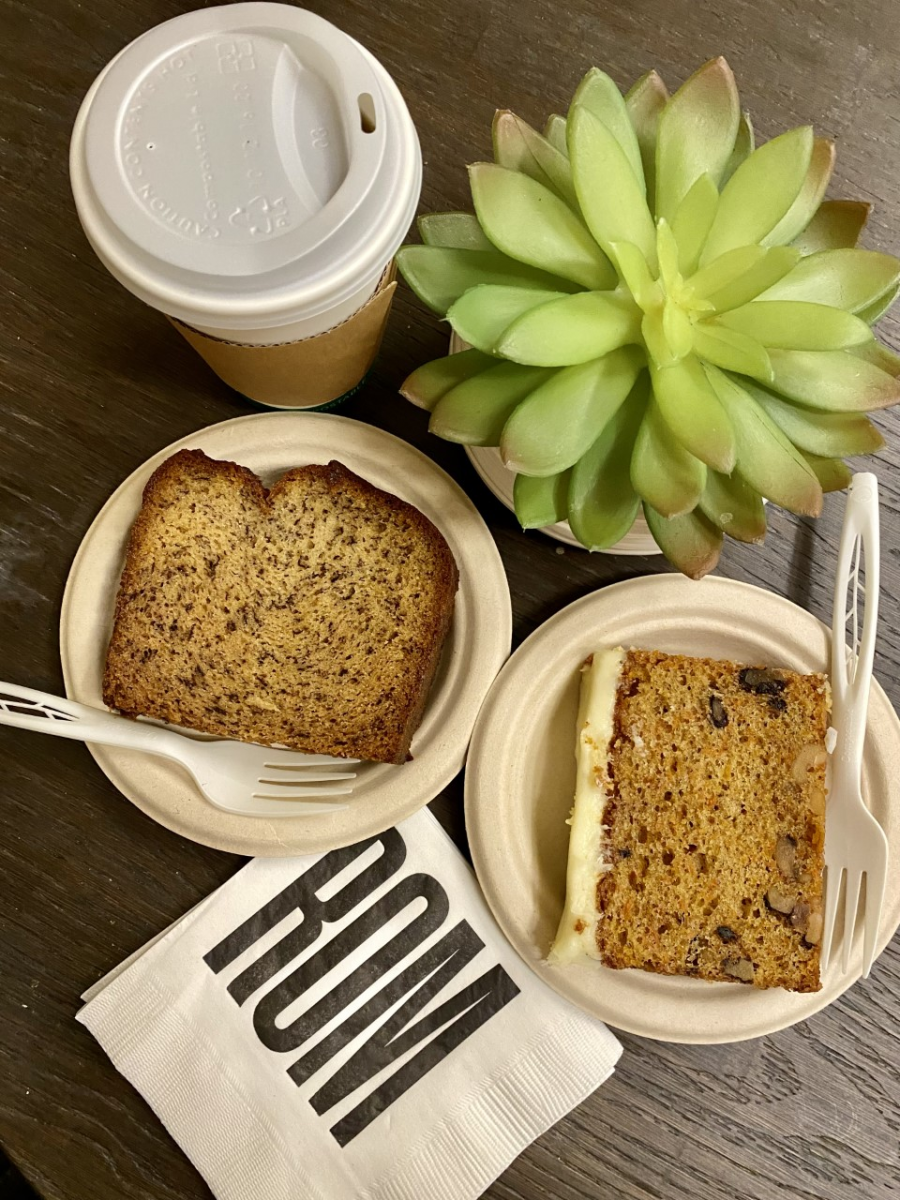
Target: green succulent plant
659	314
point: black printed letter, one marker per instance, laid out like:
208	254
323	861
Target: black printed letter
377	915
301	895
465	1012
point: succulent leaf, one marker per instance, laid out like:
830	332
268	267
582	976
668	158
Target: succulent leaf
658	309
426	385
759	193
771	266
602	503
636	274
829	435
832	380
453	230
555	133
611	198
653	331
832	474
541	500
667	257
690	542
531	224
796	325
548	432
836	225
732	351
696	134
766	458
520	148
872	313
693	414
663	473
693	220
476	410
645	102
801	212
440	276
873	352
744	145
734	507
483	314
599	94
848	279
572	329
724	270
677	332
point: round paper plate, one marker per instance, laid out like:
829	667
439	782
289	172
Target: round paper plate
478	644
520	781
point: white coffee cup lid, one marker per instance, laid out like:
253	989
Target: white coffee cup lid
245	166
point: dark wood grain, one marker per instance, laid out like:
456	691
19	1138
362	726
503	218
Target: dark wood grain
92	383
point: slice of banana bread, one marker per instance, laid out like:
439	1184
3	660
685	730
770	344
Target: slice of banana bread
698	829
311	615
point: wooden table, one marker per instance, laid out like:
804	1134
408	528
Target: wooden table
93	383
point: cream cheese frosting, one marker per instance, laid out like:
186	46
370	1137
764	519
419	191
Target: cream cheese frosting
576	937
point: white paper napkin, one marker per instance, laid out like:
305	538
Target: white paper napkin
348	1026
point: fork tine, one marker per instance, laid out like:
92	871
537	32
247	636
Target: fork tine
851	906
301	793
832	896
875	884
301	776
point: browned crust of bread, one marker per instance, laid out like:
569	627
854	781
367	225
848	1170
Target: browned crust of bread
186	466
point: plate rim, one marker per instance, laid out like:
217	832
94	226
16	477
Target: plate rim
521	940
108	760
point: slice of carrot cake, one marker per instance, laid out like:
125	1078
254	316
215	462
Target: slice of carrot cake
699	820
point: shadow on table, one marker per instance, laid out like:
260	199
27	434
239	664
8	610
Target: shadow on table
12	1185
800	572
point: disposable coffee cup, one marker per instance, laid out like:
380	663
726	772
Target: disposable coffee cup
250	171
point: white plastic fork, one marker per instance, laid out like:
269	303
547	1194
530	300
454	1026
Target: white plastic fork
856	849
238	777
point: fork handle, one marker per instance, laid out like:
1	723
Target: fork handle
851	693
60	717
